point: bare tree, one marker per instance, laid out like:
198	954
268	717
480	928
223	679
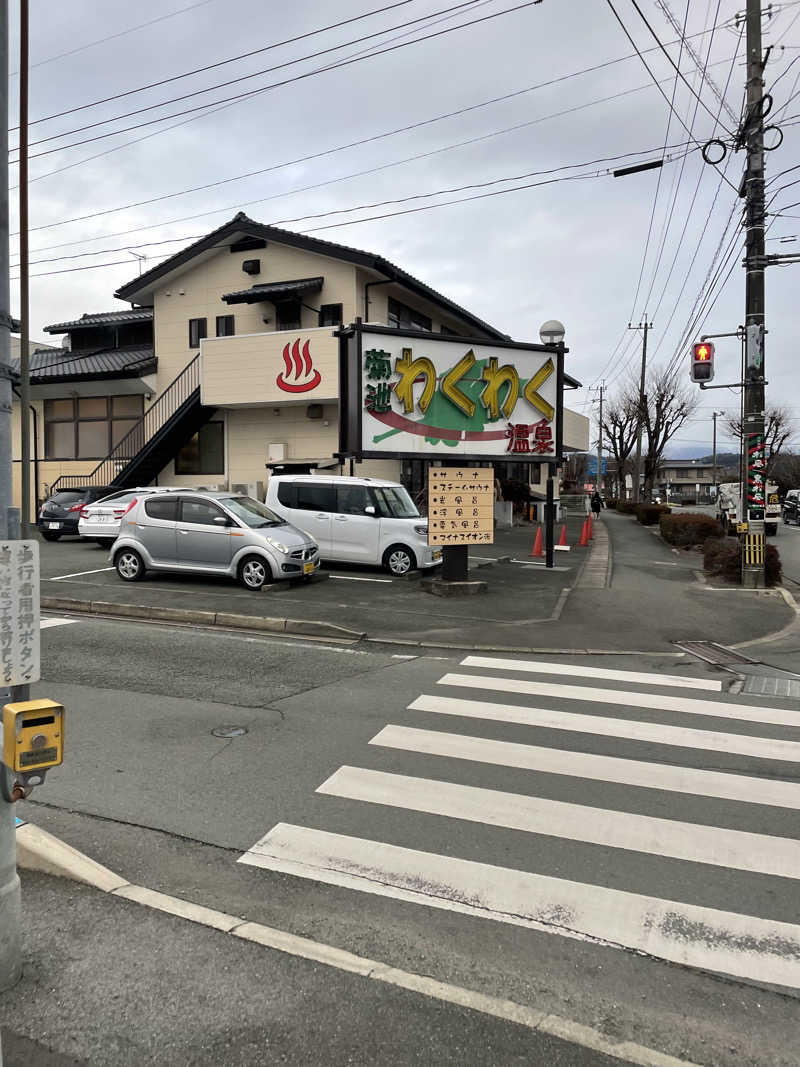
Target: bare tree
777	431
619	432
786	471
667	406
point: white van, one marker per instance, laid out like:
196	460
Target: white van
356	520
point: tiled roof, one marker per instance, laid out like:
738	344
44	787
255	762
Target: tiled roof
241	223
103	318
58	365
271	290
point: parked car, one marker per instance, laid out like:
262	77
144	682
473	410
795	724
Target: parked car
100	521
59	514
356	520
211	533
791	507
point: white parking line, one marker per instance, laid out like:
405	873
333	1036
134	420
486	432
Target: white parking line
350	578
79	574
45	624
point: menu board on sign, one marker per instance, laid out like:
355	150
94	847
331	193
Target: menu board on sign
19	612
460	506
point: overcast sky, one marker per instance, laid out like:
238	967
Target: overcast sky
572	249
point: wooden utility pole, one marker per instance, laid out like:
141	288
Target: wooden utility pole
753	445
637	471
24	301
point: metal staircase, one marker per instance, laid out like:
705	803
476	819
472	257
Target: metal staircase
148	446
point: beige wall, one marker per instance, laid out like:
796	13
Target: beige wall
198	292
576	431
379	306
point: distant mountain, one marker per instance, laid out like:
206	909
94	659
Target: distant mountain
724	459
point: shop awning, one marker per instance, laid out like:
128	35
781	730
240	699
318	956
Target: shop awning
275	292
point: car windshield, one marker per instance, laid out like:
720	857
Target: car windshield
68	496
252	513
394	503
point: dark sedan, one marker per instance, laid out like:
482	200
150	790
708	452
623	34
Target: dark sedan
59	514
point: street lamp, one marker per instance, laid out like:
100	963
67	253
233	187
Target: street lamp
552	333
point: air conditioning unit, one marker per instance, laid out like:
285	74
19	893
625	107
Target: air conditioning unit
251	489
276	453
220	487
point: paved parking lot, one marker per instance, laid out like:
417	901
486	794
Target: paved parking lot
367	599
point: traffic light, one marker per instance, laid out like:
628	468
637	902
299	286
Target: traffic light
702	368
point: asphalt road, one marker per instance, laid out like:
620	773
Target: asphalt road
470	820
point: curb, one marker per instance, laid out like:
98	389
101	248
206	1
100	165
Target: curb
40	851
300	627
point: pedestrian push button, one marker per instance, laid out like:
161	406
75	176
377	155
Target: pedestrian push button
33	735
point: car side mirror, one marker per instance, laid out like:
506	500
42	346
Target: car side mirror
369	510
221	520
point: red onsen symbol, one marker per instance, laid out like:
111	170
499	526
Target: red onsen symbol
300	375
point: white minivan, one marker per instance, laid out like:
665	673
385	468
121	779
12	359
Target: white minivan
355	520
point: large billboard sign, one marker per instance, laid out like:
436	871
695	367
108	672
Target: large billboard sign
419	395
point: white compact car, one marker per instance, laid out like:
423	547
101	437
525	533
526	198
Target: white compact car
100	521
355	520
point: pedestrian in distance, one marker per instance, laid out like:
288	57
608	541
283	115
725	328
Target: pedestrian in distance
597	504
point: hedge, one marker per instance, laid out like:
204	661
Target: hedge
649	514
611	504
724	558
626	507
687	530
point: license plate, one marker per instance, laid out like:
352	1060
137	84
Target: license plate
437	554
308	568
100	518
54	526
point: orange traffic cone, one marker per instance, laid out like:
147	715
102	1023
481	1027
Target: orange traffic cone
537	545
562	541
584	541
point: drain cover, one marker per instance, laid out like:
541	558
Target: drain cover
772	687
229	731
711	652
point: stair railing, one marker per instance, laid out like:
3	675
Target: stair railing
180	389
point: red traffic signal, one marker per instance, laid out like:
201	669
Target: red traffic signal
702	366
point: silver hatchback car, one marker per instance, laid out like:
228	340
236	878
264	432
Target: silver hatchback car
211	533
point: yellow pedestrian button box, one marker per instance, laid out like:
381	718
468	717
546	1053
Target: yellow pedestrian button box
33	735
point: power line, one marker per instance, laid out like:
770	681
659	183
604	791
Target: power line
274	85
115	36
234	59
212	110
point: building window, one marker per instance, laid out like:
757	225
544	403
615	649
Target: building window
403	317
288	315
88	427
225	326
204	453
197	331
330	315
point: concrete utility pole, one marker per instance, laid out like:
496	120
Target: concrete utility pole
24	312
637	471
10	950
753	445
715	415
599	483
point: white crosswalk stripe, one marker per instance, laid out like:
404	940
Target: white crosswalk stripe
734	819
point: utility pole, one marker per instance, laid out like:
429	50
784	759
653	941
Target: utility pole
715	415
599	483
10	945
637	472
754	488
24	302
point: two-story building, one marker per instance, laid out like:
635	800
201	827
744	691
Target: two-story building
225	366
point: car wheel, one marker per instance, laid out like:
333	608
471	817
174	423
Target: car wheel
130	565
254	573
399	560
48	535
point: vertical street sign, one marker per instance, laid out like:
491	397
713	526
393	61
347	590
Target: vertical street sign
19	613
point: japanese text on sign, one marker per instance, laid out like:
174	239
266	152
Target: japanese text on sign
19	612
460	505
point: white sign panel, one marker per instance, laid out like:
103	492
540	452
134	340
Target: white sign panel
19	612
423	395
460	506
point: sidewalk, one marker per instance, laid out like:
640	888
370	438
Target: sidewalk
109	983
628	591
